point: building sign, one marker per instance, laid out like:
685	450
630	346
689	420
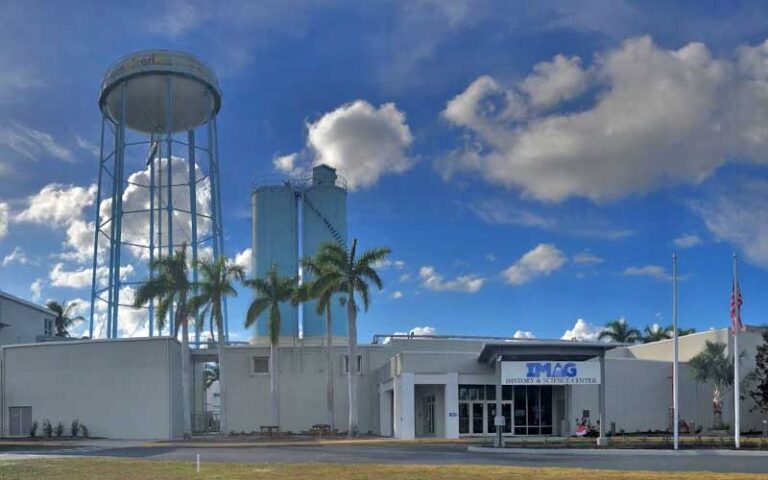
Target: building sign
550	373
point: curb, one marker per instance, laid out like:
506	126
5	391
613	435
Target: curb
306	443
608	452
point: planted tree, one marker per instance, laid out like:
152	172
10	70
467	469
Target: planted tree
313	291
64	318
218	278
619	331
269	293
341	270
757	381
713	366
685	331
655	333
210	375
169	285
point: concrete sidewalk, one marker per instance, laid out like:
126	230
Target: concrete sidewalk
623	452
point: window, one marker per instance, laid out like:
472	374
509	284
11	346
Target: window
345	364
48	326
261	364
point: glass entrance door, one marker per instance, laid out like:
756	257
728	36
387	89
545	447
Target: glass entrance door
429	415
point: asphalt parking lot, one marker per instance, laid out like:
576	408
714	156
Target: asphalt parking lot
410	454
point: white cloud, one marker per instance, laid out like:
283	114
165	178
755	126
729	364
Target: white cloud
89	147
583	223
131	322
523	334
397	294
582	331
587	258
414	332
361	141
136	199
544	259
58	205
687	240
659	117
82	278
32	143
5	217
431	280
653	271
738	213
286	163
554	82
16	256
245	260
37	289
387	263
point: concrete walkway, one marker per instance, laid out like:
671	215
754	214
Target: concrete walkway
608	452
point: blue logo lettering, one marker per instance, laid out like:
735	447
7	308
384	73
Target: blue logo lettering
548	370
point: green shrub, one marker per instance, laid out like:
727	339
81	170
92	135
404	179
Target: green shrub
59	430
33	429
47	428
75	428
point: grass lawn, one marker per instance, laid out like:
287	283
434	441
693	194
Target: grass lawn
107	469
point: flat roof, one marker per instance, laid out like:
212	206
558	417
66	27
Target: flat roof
529	349
26	303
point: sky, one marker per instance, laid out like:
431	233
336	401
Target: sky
532	165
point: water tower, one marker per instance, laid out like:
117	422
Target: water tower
158	181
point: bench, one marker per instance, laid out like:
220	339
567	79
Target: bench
269	429
320	429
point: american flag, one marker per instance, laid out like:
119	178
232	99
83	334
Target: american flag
736	302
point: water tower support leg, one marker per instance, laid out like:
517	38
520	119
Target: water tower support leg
97	229
151	229
193	215
169	165
120	164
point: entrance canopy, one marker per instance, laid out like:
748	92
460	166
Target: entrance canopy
542	350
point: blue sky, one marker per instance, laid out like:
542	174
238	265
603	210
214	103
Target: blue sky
529	163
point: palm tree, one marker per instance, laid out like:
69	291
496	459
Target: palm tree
309	291
270	293
713	365
210	376
341	271
64	319
217	283
168	286
655	333
619	331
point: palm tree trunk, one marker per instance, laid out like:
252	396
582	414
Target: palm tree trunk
274	386
222	383
329	368
185	371
352	370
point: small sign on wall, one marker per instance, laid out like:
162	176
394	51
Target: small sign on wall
550	373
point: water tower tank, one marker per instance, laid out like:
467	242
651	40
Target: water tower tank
275	242
324	219
155	83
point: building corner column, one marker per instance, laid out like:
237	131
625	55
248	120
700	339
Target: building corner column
602	440
452	405
405	428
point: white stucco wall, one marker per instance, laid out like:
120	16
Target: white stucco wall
25	320
128	388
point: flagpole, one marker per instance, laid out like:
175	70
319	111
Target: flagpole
736	327
675	398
